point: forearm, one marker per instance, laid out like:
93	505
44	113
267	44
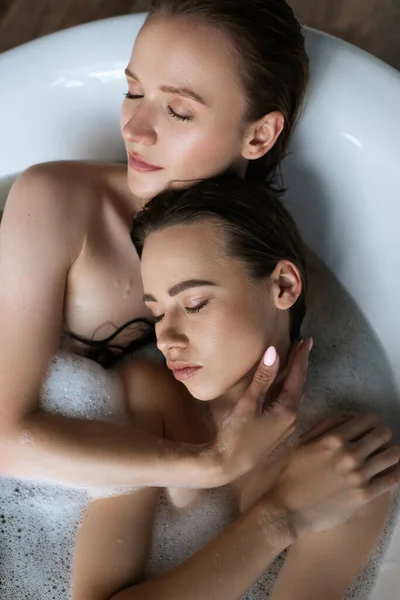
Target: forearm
97	453
226	567
324	564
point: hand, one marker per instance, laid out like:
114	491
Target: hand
255	427
334	470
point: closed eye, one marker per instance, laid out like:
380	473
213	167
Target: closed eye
177	116
196	309
170	111
129	96
190	310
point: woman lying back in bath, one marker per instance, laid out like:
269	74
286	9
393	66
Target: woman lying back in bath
224	277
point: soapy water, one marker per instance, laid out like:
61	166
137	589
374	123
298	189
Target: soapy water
38	526
348	372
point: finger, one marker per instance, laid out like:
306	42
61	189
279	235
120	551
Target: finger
292	354
277	441
323	427
380	462
293	386
371	442
383	483
356	427
265	375
281	421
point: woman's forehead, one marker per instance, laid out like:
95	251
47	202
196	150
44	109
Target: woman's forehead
188	251
185	241
182	50
191	247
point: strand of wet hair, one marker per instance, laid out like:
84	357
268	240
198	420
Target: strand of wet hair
108	354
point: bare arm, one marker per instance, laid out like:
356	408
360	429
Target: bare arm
324	564
227	566
41	236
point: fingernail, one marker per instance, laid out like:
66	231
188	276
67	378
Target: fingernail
310	344
270	357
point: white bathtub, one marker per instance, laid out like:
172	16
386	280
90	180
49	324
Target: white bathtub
60	99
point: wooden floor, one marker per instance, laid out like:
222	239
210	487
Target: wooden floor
371	24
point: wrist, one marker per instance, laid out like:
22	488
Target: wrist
280	525
213	470
223	467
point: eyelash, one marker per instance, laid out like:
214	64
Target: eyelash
172	113
190	311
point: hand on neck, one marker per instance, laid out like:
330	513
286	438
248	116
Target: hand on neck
222	406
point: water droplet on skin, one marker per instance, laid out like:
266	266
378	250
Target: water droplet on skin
27	437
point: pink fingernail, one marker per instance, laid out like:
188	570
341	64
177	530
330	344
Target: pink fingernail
311	344
270	357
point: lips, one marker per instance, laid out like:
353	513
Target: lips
182	371
137	163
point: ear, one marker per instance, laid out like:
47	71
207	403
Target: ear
286	284
261	135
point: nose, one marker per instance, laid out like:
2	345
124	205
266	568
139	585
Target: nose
139	126
170	336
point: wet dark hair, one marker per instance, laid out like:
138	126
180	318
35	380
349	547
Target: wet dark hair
269	43
107	352
256	226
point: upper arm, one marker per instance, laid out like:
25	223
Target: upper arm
36	251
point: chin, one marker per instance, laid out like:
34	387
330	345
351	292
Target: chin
204	393
145	186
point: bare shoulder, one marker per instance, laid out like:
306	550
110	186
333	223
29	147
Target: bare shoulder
60	198
67	185
150	387
148	382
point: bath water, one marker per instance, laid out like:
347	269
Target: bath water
348	372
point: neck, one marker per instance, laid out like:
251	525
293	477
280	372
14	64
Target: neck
222	406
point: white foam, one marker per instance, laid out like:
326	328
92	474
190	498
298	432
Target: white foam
80	388
37	530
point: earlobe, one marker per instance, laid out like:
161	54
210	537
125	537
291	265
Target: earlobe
287	285
262	135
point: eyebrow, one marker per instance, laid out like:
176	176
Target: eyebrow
170	89
186	92
181	287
